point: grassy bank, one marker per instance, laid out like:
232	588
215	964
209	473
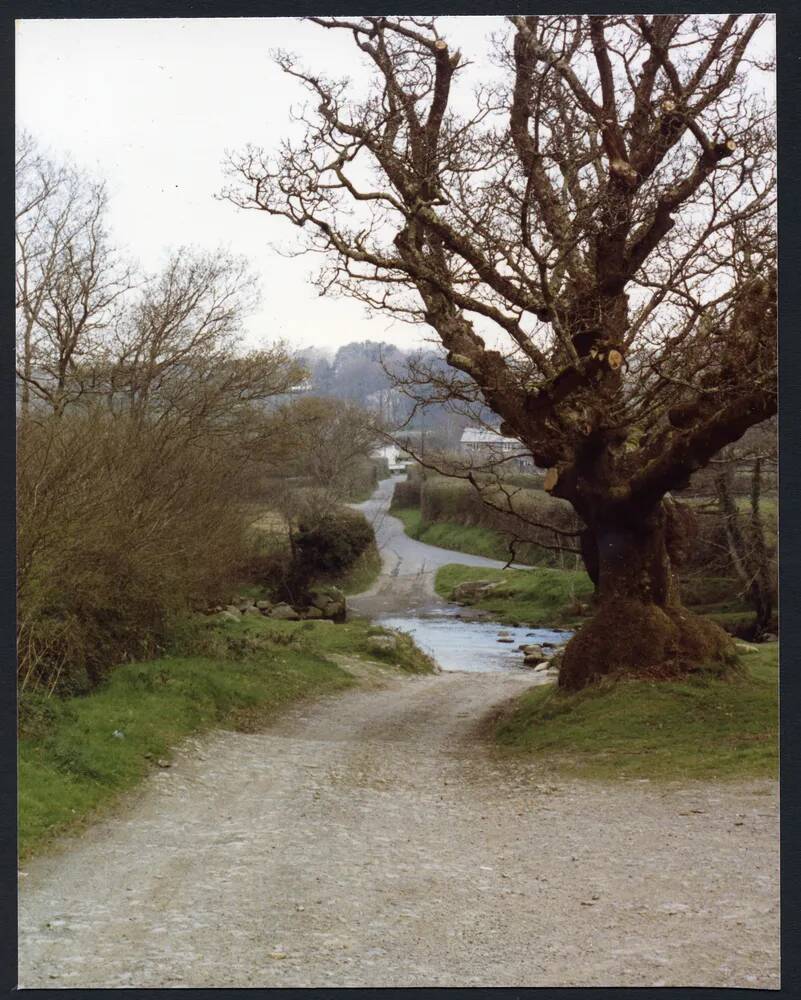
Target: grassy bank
221	674
363	574
459	537
537	596
697	728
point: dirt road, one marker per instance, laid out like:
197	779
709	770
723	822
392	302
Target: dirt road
372	840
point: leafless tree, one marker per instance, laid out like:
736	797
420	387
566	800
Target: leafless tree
140	424
70	280
319	450
607	210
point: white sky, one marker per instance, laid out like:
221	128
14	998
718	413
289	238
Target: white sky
151	105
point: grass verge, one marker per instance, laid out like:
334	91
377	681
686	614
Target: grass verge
537	596
363	574
698	728
221	674
459	537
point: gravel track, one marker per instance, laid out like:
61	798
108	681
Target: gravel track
373	839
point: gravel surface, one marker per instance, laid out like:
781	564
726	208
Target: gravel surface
372	839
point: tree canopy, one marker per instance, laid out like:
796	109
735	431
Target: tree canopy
605	211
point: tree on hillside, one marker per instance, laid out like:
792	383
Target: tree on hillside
606	209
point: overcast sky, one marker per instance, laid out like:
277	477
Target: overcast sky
151	105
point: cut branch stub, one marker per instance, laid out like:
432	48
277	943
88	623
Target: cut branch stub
551	479
614	359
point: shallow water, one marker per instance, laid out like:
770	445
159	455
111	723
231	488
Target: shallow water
461	644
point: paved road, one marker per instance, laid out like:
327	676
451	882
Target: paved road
408	566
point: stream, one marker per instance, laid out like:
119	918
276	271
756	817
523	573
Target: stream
404	598
463	644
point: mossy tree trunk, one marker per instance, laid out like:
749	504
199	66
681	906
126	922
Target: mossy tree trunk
640	625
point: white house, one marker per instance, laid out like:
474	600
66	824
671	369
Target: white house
397	459
485	445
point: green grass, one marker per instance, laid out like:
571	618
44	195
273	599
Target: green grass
537	596
354	638
222	674
363	574
474	539
698	728
411	517
459	537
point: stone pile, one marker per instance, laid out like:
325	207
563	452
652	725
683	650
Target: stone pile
326	604
541	657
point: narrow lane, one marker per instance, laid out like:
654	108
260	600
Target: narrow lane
408	567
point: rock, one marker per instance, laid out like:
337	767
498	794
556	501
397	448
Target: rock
245	605
535	662
312	613
541	667
505	638
745	647
321	596
284	612
232	609
533	650
264	605
118	734
555	661
330	601
163	763
382	644
770	637
228	616
471	589
251	610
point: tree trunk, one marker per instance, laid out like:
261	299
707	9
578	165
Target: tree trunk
640	626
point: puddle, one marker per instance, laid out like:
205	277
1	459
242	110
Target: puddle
459	644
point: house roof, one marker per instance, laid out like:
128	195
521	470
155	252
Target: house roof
482	435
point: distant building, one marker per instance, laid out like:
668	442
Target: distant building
397	459
485	445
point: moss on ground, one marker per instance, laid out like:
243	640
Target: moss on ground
702	727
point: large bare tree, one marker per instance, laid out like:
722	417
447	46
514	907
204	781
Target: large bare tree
605	213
